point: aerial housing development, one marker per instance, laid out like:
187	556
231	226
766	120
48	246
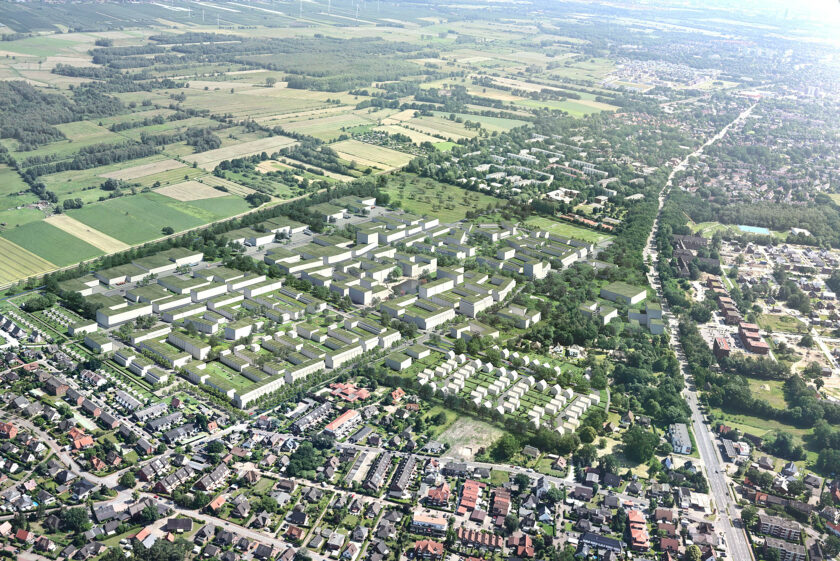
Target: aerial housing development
476	281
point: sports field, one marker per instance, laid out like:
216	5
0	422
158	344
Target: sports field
86	233
370	155
51	243
567	230
17	263
190	191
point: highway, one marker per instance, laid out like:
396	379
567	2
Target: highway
736	541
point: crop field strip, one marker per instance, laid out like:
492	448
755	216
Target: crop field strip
143	170
136	219
51	243
210	159
85	233
16	263
233	188
371	155
190	191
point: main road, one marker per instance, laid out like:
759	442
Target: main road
736	540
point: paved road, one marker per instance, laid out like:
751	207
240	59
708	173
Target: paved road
736	540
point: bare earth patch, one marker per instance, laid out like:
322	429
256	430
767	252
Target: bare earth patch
190	191
85	233
467	435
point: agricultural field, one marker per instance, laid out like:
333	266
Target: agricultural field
256	102
328	128
86	233
321	91
79	135
574	107
440	128
210	159
14	196
491	124
136	172
416	137
564	229
51	243
16	263
427	197
370	155
136	219
190	191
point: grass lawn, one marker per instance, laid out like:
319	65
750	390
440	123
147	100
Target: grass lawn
224	376
768	390
498	477
425	196
263	485
138	218
544	466
51	243
781	323
565	229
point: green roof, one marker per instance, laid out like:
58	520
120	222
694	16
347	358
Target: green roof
121	271
150	292
178	253
153	261
183	284
624	289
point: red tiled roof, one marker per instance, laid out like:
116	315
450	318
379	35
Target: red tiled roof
428	547
439	494
481	539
